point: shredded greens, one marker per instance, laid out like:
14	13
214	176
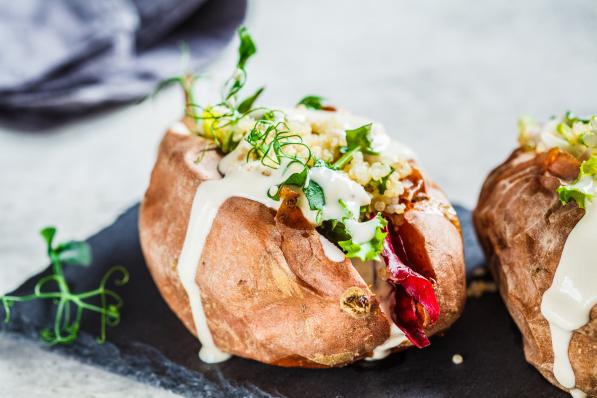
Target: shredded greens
69	305
583	189
573	134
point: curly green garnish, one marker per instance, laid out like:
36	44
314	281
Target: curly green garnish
70	306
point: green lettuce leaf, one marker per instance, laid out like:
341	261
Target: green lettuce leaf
583	189
368	250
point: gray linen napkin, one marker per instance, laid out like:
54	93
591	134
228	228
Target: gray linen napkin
63	58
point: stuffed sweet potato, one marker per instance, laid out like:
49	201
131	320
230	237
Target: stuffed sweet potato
536	223
299	237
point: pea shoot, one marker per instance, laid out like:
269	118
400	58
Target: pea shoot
69	305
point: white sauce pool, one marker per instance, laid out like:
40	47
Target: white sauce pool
567	304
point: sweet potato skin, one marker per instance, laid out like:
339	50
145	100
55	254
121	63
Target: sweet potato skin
522	227
268	290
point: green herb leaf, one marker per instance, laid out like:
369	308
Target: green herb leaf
368	250
334	230
584	188
315	196
247	47
236	82
48	234
246	105
74	253
358	139
295	179
312	102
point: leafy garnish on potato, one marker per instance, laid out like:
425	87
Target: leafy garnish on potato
583	189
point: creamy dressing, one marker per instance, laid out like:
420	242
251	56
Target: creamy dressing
338	186
362	232
383	350
210	195
576	393
180	128
567	304
331	251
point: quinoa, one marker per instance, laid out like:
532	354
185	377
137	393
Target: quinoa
323	133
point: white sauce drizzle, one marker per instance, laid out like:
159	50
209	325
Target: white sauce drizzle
331	251
180	128
361	232
383	350
567	304
338	186
576	393
209	197
249	182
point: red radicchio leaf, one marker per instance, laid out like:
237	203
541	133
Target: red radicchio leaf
405	316
410	288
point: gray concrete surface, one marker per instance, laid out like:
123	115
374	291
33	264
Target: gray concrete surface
450	78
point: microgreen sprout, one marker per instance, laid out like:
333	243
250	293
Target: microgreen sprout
69	305
272	141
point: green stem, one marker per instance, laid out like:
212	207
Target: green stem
344	159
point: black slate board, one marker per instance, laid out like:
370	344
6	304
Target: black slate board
152	345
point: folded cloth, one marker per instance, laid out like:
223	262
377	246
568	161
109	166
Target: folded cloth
64	58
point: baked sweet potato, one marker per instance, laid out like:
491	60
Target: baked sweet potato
268	290
253	250
523	226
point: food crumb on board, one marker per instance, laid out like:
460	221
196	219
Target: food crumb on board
457	359
479	288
